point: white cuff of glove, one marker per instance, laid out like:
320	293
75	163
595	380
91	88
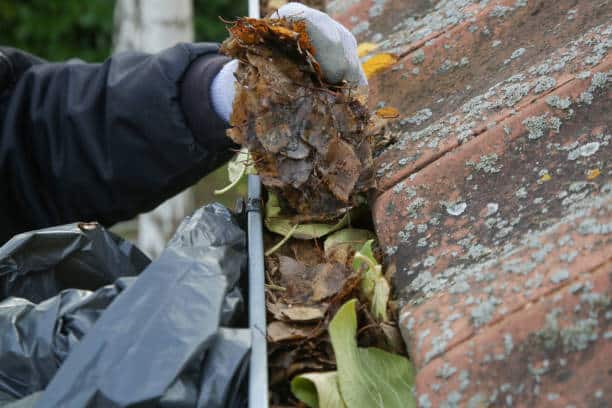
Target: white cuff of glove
222	90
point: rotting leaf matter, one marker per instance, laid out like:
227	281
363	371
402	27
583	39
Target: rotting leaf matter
307	137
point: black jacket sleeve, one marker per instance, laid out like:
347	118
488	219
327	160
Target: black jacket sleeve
104	141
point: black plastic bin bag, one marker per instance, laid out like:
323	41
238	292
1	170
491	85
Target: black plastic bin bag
40	319
35	339
38	265
172	337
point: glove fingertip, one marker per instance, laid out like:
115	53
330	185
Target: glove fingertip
292	9
222	90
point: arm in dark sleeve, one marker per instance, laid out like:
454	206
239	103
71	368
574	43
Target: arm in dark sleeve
107	141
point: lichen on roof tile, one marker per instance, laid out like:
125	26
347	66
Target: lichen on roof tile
495	193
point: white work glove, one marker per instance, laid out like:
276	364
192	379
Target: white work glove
335	51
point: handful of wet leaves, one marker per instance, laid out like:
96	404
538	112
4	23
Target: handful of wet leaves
306	137
326	295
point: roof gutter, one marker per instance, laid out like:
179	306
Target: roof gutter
258	368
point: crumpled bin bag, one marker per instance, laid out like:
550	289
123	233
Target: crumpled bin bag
38	265
174	336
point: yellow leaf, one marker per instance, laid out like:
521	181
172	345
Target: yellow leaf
377	63
365	48
593	174
387	113
283	32
546	177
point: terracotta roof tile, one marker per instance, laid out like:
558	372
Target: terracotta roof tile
495	196
550	353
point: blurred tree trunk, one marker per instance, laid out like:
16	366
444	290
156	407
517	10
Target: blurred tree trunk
151	26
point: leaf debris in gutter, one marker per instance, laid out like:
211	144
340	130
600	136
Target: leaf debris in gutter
307	139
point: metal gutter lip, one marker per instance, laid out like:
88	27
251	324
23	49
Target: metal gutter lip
258	368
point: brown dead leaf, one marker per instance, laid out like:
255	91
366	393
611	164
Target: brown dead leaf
340	169
275	308
306	284
294	172
303	313
298	340
393	338
305	252
350	286
296	278
340	254
293	369
281	331
328	279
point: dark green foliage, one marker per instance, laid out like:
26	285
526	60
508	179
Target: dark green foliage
208	26
59	30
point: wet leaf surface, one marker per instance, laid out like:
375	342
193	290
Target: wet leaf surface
318	390
366	377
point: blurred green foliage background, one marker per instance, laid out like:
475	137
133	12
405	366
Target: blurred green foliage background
59	30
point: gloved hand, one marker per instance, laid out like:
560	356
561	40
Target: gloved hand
335	51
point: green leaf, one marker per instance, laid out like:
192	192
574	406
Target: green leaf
272	206
241	163
365	263
353	237
282	242
283	225
368	377
237	168
318	390
367	256
374	286
380	299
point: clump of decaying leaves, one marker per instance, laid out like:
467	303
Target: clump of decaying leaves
306	287
306	137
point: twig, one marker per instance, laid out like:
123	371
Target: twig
273	286
232	184
282	241
366	327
